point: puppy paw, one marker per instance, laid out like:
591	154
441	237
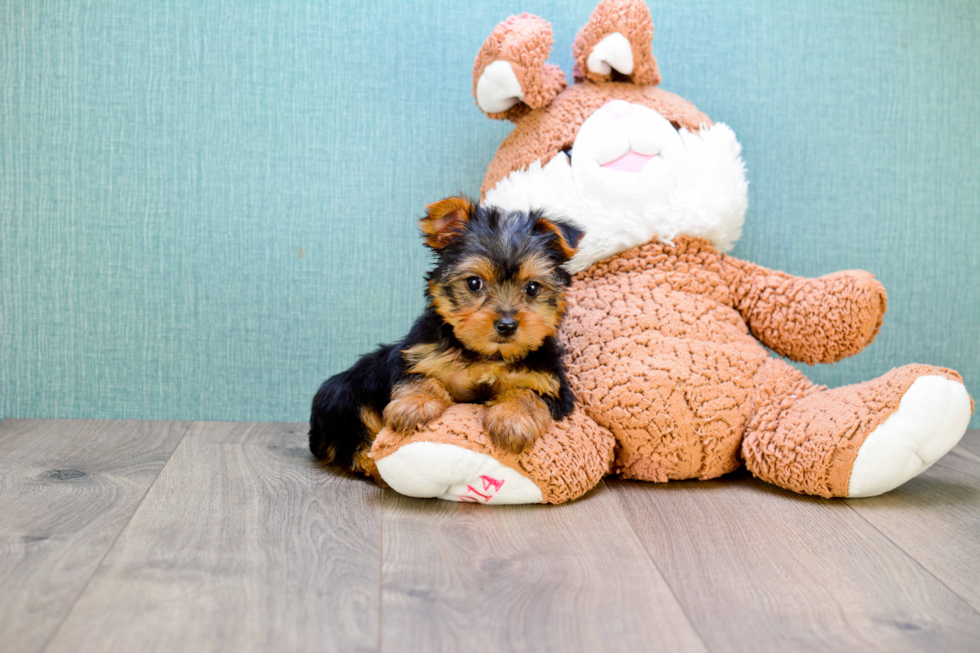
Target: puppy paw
415	403
516	421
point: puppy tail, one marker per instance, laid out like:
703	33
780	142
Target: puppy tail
336	430
346	411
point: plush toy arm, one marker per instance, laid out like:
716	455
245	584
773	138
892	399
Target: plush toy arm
820	320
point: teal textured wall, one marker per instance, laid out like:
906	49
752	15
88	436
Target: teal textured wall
208	207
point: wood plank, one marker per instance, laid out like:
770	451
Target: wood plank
759	568
935	518
971	442
245	543
459	577
67	489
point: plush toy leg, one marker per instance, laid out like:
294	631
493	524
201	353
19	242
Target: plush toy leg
856	441
452	458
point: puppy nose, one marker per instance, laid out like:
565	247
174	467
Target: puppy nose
506	326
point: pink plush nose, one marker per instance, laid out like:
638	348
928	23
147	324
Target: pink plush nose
619	109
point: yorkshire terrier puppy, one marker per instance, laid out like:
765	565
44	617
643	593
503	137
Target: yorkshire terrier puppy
496	298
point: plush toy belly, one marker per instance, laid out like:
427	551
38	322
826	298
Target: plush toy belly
670	372
671	384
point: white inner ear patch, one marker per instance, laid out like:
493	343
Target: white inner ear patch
498	88
612	52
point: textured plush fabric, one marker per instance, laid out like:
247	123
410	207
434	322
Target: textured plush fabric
666	342
565	462
806	438
658	354
626	18
543	134
206	208
661	355
524	42
664	351
822	320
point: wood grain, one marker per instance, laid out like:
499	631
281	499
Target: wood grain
935	518
244	543
757	568
121	536
458	577
67	489
971	442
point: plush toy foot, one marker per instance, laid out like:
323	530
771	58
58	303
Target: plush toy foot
453	458
859	440
931	418
452	473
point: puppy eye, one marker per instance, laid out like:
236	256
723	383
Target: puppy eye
475	284
532	289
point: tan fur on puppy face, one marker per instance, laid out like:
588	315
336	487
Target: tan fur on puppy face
473	314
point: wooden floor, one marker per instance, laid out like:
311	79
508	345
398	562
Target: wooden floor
180	536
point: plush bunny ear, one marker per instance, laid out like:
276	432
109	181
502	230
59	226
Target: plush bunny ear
444	221
510	74
617	39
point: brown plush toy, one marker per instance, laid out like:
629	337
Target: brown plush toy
666	335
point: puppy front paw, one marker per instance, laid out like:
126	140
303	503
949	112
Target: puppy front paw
415	403
517	420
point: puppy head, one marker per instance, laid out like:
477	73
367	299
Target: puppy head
499	280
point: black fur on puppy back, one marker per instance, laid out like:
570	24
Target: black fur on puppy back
336	427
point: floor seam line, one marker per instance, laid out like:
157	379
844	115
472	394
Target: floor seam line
912	558
663	576
963	451
81	593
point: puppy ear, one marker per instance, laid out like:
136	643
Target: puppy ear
444	221
566	236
